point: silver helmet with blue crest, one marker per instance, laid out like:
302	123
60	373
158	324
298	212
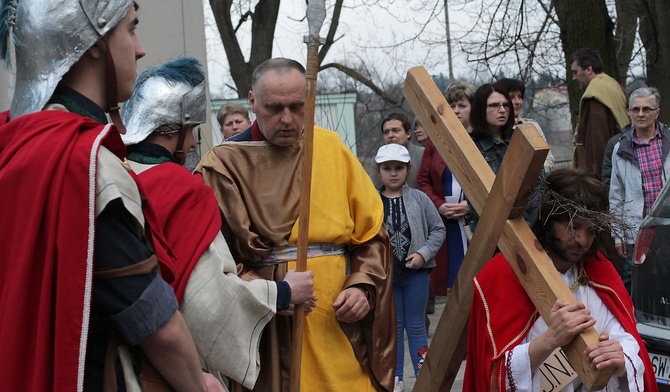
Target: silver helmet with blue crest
166	99
49	37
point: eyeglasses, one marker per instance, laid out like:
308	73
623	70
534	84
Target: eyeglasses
498	105
645	110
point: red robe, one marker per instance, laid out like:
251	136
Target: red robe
485	368
48	164
182	212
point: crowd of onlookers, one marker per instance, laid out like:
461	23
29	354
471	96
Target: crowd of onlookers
617	138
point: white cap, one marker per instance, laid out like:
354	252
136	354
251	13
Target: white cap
392	152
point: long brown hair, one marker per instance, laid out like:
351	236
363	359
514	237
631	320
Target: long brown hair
570	194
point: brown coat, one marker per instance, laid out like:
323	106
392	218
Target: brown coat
596	127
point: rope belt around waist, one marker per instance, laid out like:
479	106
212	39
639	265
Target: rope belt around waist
282	254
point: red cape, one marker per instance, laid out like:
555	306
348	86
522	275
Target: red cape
47	182
509	328
184	218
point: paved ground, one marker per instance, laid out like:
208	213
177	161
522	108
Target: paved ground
409	370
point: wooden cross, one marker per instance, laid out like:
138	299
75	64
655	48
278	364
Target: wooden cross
500	224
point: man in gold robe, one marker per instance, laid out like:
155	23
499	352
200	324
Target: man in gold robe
349	338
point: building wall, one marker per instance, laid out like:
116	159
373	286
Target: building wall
169	29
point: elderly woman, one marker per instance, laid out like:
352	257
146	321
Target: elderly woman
436	180
640	168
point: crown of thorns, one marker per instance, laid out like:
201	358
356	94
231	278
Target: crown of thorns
602	221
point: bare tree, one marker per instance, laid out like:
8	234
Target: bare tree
231	15
655	34
378	88
530	38
514	38
527	39
263	22
586	24
263	18
626	27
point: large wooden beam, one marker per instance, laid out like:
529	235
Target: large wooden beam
544	286
509	194
536	272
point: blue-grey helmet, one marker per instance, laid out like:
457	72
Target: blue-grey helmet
166	99
49	37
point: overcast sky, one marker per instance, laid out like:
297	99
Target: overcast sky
369	32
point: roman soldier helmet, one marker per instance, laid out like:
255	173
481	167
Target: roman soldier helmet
49	37
167	99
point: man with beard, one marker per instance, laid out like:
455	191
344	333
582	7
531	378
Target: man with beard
507	345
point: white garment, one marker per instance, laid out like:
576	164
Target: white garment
113	182
459	197
605	321
225	314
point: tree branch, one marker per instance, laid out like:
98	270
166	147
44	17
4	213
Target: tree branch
332	29
352	73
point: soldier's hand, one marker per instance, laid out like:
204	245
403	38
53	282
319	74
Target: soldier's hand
351	305
302	286
212	384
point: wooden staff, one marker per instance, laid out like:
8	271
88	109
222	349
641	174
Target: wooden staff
316	13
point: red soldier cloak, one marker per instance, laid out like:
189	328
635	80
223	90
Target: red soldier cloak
48	163
182	212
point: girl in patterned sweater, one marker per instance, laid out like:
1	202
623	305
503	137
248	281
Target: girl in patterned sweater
416	232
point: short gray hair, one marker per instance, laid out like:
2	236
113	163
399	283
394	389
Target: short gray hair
645	92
